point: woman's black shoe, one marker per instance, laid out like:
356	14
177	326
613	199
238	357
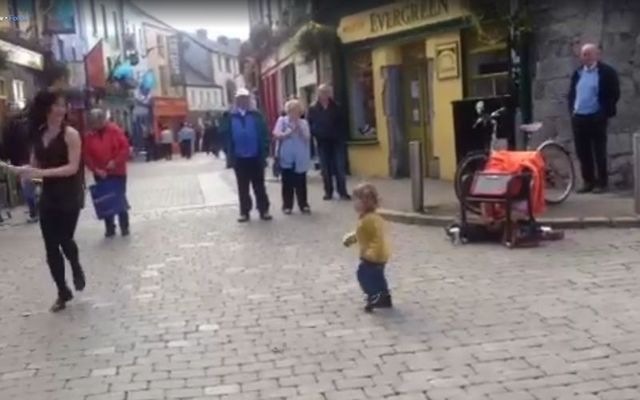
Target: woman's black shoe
244	218
79	281
305	210
287	211
61	302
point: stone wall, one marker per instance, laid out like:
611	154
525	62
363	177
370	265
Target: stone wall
560	29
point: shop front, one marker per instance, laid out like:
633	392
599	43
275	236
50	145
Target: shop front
404	69
170	112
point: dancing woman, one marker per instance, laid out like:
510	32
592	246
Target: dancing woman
56	159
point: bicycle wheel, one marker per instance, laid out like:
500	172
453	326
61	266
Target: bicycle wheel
471	164
559	175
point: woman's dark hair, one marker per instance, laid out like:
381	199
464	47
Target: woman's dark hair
40	108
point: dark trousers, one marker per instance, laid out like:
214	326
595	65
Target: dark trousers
150	148
250	173
123	218
372	279
185	148
58	228
167	150
333	163
590	136
294	183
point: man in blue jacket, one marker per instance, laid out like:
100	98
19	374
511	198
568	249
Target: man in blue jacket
246	147
593	96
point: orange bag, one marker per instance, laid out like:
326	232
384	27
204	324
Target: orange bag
518	162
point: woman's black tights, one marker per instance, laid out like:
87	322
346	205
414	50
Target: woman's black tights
58	229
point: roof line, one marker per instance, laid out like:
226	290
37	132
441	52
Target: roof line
200	74
147	14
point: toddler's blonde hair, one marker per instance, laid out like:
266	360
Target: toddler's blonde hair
368	195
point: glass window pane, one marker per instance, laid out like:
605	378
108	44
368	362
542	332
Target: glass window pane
361	96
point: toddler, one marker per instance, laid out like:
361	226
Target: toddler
374	249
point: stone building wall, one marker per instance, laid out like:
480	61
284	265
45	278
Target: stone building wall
561	27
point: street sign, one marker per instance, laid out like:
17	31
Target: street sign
175	60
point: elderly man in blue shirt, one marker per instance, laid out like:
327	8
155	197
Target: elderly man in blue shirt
593	97
246	147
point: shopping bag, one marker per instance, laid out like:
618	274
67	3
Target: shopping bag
108	196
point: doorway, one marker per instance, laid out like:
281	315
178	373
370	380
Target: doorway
415	99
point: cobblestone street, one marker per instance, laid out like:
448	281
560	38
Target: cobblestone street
196	306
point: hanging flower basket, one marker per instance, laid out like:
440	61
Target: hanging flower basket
315	38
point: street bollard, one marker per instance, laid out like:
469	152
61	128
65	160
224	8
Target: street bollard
416	170
636	172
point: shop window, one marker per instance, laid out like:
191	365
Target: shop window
487	65
116	29
361	97
105	26
227	62
160	44
18	93
289	80
164	87
94	23
3	88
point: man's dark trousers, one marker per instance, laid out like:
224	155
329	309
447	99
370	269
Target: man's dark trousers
590	136
333	164
250	173
123	218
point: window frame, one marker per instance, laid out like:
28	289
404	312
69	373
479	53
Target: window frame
105	25
354	135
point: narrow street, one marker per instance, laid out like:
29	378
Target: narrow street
196	306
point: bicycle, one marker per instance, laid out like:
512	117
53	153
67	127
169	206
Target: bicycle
559	175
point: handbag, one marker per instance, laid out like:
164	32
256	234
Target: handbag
108	196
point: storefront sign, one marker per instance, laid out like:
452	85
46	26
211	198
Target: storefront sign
170	107
59	17
398	17
21	56
175	60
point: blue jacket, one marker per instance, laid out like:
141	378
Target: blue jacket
230	119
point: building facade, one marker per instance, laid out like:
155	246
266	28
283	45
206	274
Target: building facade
560	30
197	74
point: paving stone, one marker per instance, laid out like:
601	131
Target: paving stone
256	311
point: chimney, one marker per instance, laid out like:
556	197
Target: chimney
202	34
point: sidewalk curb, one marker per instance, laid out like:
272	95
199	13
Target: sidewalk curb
411	218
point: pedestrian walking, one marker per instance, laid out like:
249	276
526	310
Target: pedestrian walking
329	129
56	159
106	152
17	150
166	140
593	98
371	237
186	138
246	146
150	144
294	156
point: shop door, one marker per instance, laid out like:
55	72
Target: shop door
415	106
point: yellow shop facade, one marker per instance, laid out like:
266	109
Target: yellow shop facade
404	67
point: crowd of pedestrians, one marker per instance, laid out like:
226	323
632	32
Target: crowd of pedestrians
47	149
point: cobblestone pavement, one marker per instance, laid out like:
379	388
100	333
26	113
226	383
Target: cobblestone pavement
195	306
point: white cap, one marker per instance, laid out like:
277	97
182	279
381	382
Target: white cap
242	92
